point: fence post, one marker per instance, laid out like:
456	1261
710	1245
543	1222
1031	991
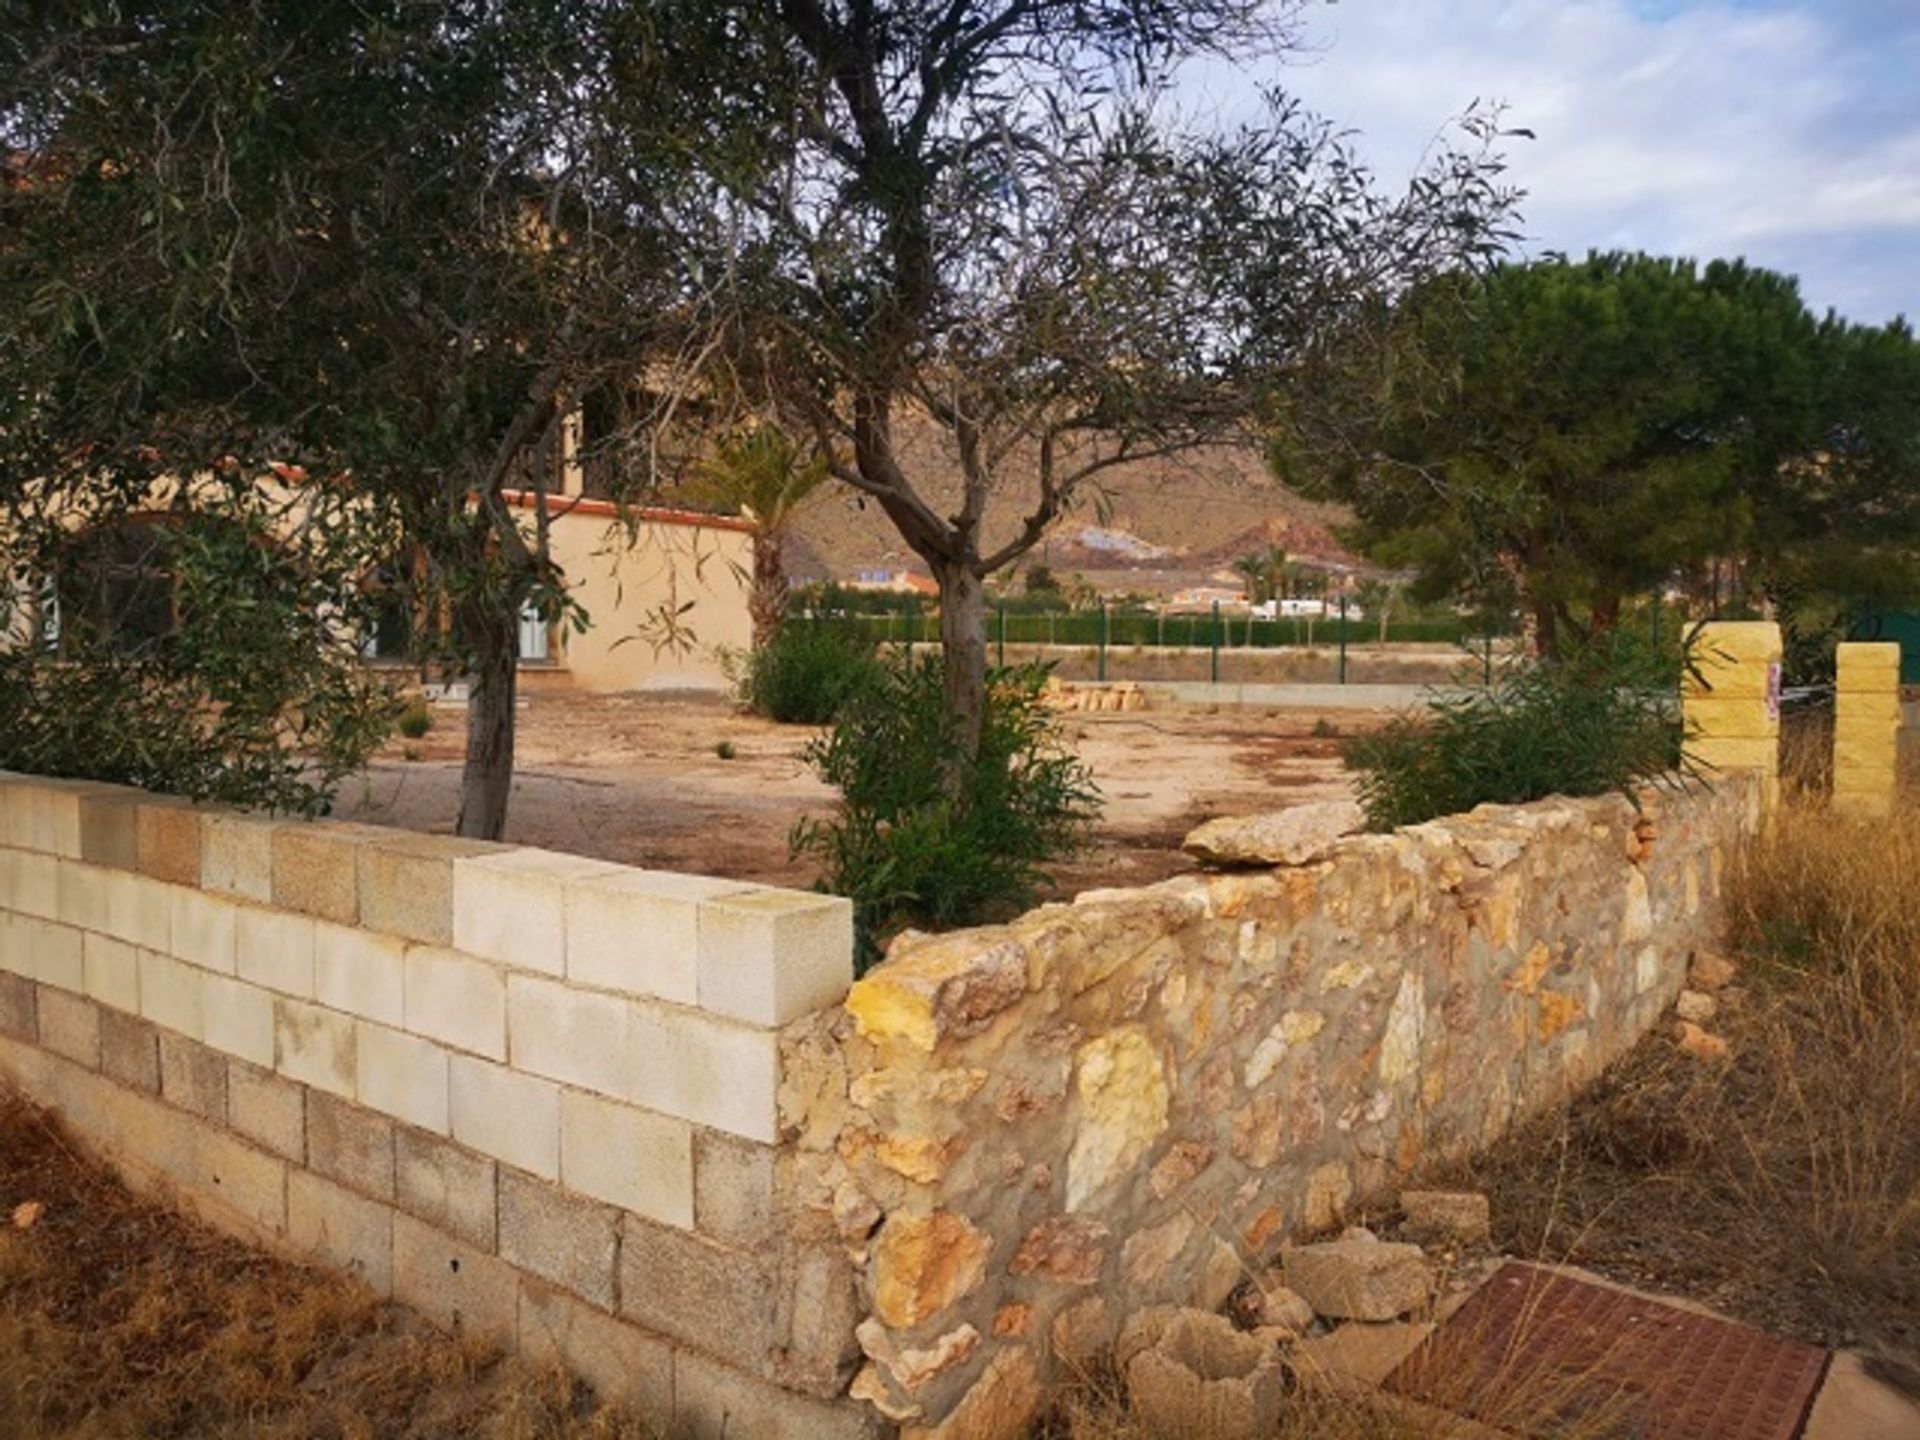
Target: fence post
1866	727
1213	638
1343	637
1730	701
1102	673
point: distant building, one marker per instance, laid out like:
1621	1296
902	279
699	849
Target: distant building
893	582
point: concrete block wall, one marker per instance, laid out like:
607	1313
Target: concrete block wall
531	1094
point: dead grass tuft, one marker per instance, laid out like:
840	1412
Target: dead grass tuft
121	1319
1784	1186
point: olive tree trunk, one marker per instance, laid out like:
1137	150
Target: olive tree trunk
963	648
487	777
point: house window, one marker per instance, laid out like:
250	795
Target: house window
533	634
117	588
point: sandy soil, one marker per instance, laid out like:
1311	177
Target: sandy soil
639	780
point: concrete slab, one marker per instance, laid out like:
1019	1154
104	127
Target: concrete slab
1852	1405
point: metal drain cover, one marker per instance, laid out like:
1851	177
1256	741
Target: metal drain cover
1547	1356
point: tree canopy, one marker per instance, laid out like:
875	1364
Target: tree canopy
1585	431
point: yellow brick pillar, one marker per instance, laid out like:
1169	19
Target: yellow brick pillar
1731	701
1866	727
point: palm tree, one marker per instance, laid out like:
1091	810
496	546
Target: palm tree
762	474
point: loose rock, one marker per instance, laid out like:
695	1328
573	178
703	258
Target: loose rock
1358	1279
1284	837
1710	971
1277	1307
1455	1217
1204	1378
1699	1044
1696	1005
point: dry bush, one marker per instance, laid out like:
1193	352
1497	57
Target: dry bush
120	1319
1784	1185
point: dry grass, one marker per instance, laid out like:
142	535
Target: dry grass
1783	1186
120	1319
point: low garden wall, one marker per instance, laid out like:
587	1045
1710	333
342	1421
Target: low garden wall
640	1121
1028	1131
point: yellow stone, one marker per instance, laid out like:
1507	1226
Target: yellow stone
1864	752
890	1013
1866	779
1123	1093
1557	1012
923	1263
1716	754
1738	641
1532	968
1000	1406
1735	718
1866	658
1863	804
1874	707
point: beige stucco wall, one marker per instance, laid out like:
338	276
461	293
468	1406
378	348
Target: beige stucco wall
628	580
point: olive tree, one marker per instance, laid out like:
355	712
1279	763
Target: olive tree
987	216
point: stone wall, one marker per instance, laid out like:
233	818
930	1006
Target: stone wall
640	1121
530	1094
1024	1132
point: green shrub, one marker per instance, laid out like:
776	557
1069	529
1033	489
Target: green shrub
917	842
1602	720
417	719
807	672
724	749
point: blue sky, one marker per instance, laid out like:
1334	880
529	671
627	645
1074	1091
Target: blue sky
1785	131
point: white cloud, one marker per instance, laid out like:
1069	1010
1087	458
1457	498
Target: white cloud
1789	134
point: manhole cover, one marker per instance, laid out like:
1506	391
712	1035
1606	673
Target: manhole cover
1541	1354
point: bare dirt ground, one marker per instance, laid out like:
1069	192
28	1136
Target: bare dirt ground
640	780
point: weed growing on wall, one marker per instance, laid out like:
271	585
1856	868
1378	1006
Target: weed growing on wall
1603	719
926	838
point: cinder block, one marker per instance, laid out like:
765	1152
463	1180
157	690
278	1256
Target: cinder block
316	870
457	999
512	1117
110	972
247	1180
315	1046
130	1051
625	1365
637	931
770	956
564	1239
171	993
1712	754
45	951
275	949
703	1068
167	835
733	1189
236	1018
628	1157
450	1188
17	1016
350	1143
1864	752
565	1033
203	928
1731	719
268	1110
82	895
236	856
30	883
193	1078
1867	659
109	835
44	814
510	907
139	910
69	1026
454	1285
359	972
406	884
699	1293
344	1230
1879	709
717	1402
404	1076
